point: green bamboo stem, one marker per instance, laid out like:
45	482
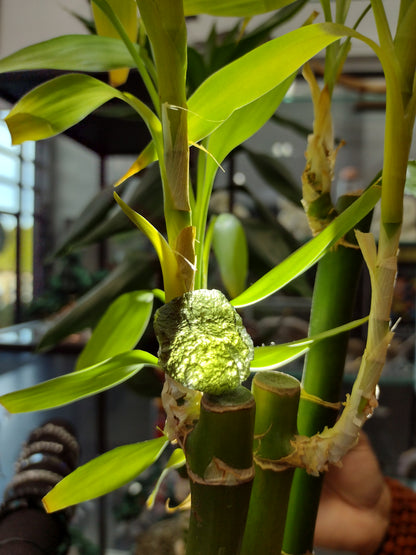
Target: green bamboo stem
219	453
332	305
165	26
277	398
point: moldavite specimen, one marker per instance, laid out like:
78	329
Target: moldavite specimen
202	342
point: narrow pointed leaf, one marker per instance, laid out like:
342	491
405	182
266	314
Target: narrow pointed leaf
145	158
176	460
126	12
104	474
230	248
307	255
270	357
163	250
60	103
119	330
241	125
253	75
145	194
78	385
71	53
135	271
53	107
242	8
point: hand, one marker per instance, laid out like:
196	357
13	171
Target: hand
355	503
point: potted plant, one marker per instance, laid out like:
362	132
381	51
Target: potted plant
240	447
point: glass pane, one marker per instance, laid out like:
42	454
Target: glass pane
9	197
28	199
28	150
10	167
28	174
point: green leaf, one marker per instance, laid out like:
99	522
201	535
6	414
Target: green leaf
230	248
241	125
60	103
53	107
77	385
119	330
275	356
136	270
253	75
176	460
242	8
307	255
126	12
104	474
145	194
71	53
163	250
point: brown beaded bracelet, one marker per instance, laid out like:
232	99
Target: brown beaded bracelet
400	538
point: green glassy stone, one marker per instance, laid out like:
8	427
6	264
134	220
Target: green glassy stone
202	342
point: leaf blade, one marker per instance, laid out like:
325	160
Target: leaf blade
119	329
270	357
227	8
104	474
78	385
71	53
307	255
176	460
254	75
230	247
56	105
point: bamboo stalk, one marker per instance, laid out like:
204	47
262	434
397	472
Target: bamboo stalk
277	397
219	454
333	304
165	26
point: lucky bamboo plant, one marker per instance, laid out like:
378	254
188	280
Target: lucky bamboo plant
240	446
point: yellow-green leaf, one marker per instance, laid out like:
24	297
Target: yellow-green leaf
126	12
104	474
78	385
270	357
167	258
242	8
176	460
53	107
71	52
231	251
307	255
119	329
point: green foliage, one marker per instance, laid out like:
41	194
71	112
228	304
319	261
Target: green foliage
230	248
104	474
307	255
78	385
119	329
270	357
71	52
243	8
